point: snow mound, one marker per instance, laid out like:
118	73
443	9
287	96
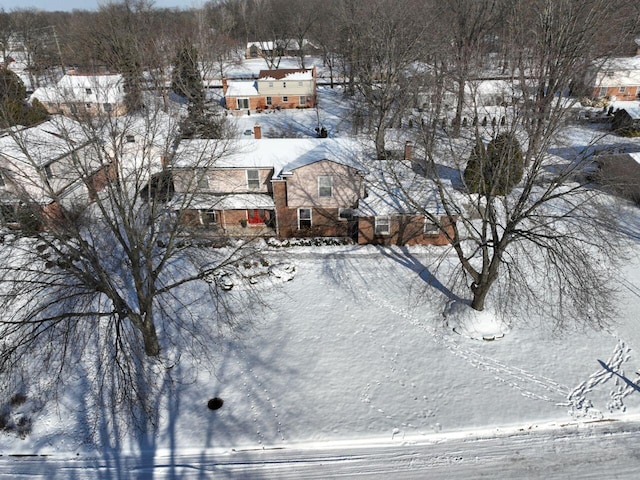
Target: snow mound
466	321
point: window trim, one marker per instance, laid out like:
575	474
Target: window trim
47	171
310	219
303	100
250	180
269	100
622	89
429	227
321	186
382	221
244	99
285	98
342	211
603	92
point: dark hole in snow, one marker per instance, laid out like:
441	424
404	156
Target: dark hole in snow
215	403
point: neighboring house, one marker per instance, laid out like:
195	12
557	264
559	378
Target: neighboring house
617	78
287	88
626	120
39	166
283	48
619	174
84	94
477	93
286	188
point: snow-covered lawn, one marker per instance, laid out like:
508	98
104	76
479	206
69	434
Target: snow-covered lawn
354	351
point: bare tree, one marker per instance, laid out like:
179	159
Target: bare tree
107	272
541	237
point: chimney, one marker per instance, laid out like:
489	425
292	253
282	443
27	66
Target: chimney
408	151
257	132
224	86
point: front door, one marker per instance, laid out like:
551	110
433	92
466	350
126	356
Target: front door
255	217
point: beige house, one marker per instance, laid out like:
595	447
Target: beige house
90	95
274	89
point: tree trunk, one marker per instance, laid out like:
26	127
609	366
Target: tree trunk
149	334
479	295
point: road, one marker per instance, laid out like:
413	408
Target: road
601	450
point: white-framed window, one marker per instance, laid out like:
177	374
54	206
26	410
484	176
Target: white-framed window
130	138
88	91
622	89
269	101
253	179
87	106
210	217
203	181
304	218
107	107
611	73
325	186
382	225
285	99
243	103
603	92
430	228
47	171
303	100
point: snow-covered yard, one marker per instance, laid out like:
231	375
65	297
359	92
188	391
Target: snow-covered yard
352	358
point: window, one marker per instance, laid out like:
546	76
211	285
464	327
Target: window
87	106
253	179
47	171
107	107
303	100
209	217
269	101
8	213
610	73
131	139
622	89
285	99
304	218
271	84
243	103
203	182
382	225
2	181
430	228
88	90
325	186
603	92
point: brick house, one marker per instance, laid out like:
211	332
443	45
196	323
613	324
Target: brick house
270	187
286	88
287	188
617	78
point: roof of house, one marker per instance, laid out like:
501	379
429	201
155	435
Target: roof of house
236	201
239	88
283	155
286	74
43	143
83	89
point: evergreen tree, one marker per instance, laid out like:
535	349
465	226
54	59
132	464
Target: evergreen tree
14	109
496	170
187	81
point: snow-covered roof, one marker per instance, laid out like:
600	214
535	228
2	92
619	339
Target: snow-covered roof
261	45
286	74
83	89
635	156
284	155
623	71
393	189
239	88
239	201
43	143
634	112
